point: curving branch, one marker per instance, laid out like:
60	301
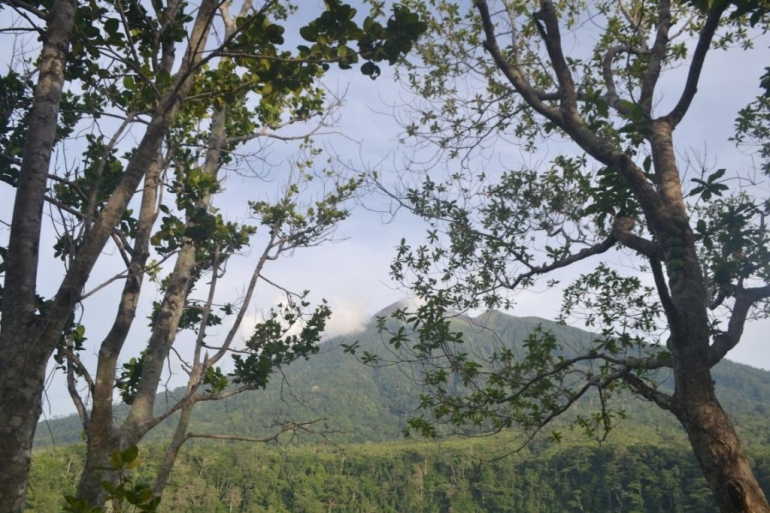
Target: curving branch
744	299
569	259
514	76
622	230
612	97
696	65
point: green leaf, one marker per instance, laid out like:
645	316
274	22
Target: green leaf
130	454
117	460
309	33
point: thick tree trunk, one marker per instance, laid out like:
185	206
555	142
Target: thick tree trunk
21	388
721	456
101	443
711	433
22	358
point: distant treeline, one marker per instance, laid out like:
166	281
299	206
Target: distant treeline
456	476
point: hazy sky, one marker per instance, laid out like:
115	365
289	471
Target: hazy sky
353	273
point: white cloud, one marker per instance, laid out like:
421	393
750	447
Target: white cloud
349	316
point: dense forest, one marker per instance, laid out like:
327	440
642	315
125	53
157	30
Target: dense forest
632	474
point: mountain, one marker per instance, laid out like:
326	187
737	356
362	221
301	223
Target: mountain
361	403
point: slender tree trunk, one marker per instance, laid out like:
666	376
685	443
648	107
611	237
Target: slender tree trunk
167	319
180	437
22	359
103	437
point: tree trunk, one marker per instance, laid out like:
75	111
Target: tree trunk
22	358
101	443
179	438
711	433
721	457
102	436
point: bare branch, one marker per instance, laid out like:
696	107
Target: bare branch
551	34
24	6
597	249
612	97
119	238
235	329
622	230
292	427
727	340
75	396
64	208
662	399
657	55
663	293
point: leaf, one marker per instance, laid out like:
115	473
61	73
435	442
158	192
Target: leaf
117	460
130	454
309	33
133	464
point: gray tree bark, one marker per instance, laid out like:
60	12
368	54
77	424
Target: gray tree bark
22	358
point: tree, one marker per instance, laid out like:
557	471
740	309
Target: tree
585	76
194	85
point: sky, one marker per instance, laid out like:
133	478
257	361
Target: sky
352	273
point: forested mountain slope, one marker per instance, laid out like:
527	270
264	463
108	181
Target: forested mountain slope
362	403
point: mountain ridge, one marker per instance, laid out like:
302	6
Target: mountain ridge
371	404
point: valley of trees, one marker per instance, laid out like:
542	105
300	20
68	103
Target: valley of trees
637	476
121	121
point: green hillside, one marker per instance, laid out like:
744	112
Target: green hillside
364	404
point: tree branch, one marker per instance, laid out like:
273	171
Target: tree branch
552	38
696	65
744	299
24	6
662	399
612	97
622	230
657	55
285	428
597	249
514	76
672	313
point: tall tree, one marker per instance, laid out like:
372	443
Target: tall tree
589	74
194	84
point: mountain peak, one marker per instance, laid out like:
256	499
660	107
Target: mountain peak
405	303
